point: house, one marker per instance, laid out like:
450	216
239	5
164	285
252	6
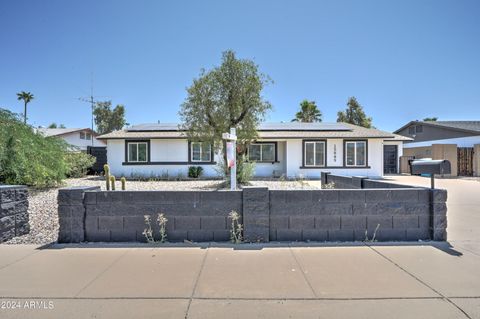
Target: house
456	141
288	149
79	138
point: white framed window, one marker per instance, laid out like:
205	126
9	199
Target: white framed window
82	135
88	136
137	151
314	153
200	152
355	153
261	152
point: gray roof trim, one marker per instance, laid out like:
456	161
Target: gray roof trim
443	124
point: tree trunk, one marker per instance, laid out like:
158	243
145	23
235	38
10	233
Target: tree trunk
25	113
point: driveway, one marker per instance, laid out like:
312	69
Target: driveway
411	280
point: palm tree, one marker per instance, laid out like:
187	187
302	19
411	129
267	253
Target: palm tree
309	112
27	97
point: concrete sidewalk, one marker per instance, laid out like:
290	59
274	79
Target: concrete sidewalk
255	281
247	281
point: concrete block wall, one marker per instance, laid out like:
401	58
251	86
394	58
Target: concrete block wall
352	215
87	214
13	212
118	216
357	182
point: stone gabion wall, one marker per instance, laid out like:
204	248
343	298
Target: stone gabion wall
13	212
412	214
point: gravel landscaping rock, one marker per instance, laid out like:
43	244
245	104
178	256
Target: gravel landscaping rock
43	203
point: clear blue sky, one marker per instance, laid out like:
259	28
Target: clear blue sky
403	60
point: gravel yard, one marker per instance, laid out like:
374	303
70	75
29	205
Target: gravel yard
43	203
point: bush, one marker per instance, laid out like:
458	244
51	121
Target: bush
27	157
195	171
78	163
245	170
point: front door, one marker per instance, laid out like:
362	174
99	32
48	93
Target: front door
390	159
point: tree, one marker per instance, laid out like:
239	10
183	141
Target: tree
54	125
308	113
108	120
227	96
354	114
27	97
430	119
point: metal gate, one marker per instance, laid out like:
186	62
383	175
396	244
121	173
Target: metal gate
100	153
390	159
465	161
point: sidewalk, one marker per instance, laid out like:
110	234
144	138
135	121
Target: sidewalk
248	281
255	281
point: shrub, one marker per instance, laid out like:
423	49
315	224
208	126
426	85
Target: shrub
236	229
78	163
27	157
245	170
195	171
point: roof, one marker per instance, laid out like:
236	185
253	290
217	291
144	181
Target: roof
464	126
61	131
265	131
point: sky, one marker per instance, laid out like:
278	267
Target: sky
402	60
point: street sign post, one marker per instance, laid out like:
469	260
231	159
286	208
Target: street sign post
232	156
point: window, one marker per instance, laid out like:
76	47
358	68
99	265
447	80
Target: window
82	135
137	151
418	129
200	152
411	130
356	153
261	152
88	136
314	153
415	129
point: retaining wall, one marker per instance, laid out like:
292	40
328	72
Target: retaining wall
88	214
13	212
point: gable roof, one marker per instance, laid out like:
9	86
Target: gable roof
62	131
265	131
463	126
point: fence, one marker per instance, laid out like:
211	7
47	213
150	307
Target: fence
88	214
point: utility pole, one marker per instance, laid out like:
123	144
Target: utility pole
90	99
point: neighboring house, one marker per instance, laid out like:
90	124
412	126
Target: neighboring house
80	138
452	140
289	149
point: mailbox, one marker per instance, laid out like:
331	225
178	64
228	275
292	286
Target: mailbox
430	167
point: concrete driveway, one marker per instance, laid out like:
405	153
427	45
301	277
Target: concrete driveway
356	280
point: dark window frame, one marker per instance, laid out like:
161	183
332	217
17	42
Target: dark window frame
324	156
127	142
345	153
190	161
275	145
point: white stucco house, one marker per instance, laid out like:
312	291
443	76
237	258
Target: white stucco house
289	149
79	138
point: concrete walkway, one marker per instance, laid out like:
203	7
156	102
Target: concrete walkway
412	280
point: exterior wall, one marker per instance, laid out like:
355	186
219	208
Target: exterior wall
460	142
432	133
86	214
161	150
334	160
13	212
436	151
74	139
273	169
289	155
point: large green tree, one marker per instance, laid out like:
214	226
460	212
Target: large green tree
308	113
27	97
354	114
430	119
107	119
229	95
